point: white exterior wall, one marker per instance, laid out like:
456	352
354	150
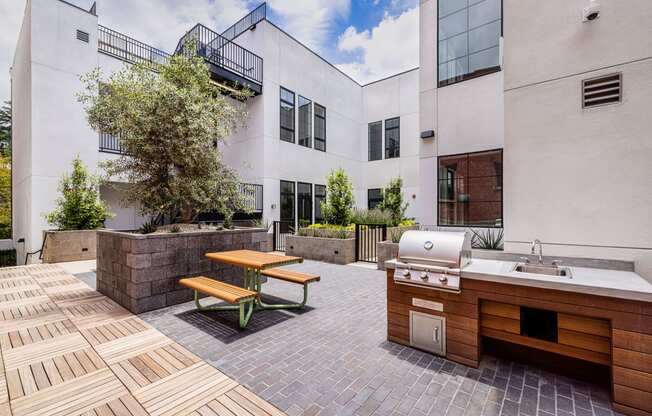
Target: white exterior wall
261	157
467	116
579	180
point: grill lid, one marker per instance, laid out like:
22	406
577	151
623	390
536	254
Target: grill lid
435	249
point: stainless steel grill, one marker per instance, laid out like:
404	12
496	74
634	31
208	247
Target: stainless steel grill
432	259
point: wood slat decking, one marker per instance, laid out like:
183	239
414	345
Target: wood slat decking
68	350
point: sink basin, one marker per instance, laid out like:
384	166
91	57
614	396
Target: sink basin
542	269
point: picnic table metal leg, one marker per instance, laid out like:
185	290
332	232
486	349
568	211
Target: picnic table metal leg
265	306
201	307
245	314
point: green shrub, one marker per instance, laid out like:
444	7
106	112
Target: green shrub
326	231
339	199
80	206
393	201
489	239
148	227
373	216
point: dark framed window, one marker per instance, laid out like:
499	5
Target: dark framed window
287	115
305	122
320	196
392	138
469	34
304	204
287	201
375	140
320	127
471	189
374	197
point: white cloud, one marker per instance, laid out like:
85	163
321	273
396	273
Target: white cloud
390	47
156	22
12	16
310	21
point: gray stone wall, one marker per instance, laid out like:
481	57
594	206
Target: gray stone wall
141	272
63	246
330	250
385	250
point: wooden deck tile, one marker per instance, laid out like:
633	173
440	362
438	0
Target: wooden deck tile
185	391
77	396
67	350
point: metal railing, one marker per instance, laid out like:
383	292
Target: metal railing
110	144
128	49
281	230
223	53
253	195
242	25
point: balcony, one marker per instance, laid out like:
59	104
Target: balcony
128	49
228	62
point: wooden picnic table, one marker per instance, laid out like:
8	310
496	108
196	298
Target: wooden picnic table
253	263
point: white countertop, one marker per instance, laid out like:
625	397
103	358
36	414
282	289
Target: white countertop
613	283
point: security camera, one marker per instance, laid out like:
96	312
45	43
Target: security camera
591	12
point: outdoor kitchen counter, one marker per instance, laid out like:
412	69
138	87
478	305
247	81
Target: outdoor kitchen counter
612	283
601	320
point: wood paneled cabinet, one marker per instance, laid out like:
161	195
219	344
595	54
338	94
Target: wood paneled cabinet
615	333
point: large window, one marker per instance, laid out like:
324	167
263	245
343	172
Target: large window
469	39
287	115
320	196
287	201
376	140
392	138
304	203
471	189
374	197
320	127
305	122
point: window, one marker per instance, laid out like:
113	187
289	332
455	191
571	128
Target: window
392	138
305	122
471	189
376	140
374	197
469	39
320	196
320	127
287	115
287	201
304	203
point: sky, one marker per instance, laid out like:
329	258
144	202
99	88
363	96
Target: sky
366	39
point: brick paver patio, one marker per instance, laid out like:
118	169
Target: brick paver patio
333	359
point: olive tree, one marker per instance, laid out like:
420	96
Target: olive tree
170	120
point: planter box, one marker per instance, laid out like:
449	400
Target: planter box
63	246
385	250
142	272
330	250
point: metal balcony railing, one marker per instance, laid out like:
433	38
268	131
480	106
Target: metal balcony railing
243	66
244	24
128	49
110	144
253	196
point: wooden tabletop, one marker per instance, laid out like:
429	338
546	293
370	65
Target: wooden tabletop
253	259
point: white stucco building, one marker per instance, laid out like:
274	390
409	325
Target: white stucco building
490	130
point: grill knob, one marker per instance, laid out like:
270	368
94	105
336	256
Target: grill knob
424	276
443	279
406	273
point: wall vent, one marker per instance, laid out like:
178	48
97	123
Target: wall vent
603	90
81	35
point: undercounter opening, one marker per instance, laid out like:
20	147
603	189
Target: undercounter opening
593	373
539	324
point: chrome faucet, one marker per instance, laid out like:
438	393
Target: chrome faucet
533	248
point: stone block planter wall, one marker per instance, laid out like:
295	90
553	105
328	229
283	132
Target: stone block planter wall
330	250
141	272
385	250
63	246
